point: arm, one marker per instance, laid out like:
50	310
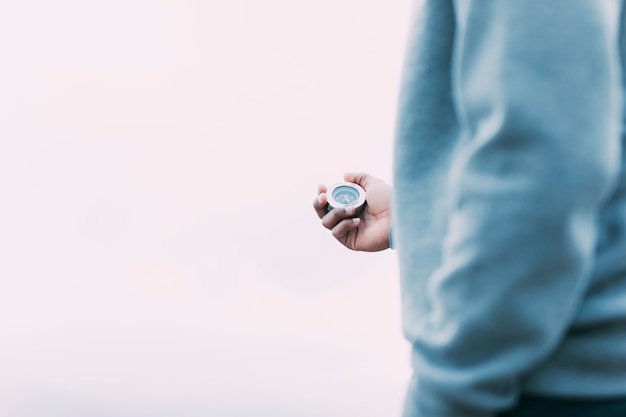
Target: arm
538	94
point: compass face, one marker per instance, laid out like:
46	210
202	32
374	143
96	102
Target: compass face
345	195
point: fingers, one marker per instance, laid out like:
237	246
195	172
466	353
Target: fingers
344	227
320	202
336	216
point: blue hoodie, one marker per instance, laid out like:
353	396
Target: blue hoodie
509	204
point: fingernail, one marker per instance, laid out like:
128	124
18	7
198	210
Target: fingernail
355	220
349	210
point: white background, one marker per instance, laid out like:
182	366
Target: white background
159	255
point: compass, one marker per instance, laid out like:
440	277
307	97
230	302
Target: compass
345	194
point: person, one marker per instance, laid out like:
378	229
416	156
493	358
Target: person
508	208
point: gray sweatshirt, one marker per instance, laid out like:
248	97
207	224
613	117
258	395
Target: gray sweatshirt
509	204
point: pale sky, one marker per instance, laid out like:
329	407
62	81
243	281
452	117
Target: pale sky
159	255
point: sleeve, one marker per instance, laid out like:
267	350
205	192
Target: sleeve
537	90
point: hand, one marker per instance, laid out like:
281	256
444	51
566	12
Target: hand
369	231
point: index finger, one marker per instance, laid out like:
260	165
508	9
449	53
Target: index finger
320	202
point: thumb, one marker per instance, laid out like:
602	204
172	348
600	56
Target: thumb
361	178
